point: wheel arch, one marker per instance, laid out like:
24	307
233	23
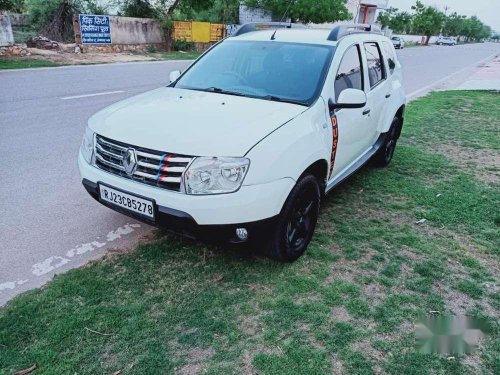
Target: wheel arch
318	169
400	115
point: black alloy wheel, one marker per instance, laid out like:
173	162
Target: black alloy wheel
296	222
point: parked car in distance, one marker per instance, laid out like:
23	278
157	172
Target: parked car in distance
245	143
398	42
445	41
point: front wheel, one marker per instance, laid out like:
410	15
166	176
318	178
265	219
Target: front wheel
296	222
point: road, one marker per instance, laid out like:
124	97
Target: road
48	223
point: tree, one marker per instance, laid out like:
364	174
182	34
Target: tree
399	22
453	24
427	20
138	8
385	18
316	11
16	6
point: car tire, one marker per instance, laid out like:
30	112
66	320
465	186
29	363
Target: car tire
296	222
383	156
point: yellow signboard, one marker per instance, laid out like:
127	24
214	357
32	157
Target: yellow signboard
200	32
183	31
216	32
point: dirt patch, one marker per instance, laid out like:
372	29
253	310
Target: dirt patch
337	367
484	162
341	313
71	58
197	359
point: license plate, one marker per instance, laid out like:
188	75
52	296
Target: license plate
127	201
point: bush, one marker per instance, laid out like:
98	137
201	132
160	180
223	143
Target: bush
182	45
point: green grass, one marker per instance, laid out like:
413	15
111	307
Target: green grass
24	63
347	306
21	63
176	55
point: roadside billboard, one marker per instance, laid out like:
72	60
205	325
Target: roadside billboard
95	29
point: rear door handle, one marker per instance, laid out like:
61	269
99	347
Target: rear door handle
366	111
387	96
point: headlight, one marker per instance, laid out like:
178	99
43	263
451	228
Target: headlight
215	175
87	147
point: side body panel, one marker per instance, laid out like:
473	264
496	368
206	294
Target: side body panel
292	148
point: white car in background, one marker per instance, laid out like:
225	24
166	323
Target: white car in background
398	42
445	41
245	143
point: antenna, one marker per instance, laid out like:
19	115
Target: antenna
282	18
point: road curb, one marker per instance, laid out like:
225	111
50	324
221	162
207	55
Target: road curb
427	89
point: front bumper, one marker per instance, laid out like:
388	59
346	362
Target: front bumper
182	223
252	206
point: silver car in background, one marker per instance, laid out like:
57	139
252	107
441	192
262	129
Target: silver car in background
398	42
445	41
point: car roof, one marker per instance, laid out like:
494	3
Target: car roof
306	36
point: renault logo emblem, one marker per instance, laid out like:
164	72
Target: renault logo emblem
129	161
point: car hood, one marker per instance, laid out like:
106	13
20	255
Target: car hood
192	122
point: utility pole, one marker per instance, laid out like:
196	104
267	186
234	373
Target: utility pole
446	7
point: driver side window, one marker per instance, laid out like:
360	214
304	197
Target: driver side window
350	73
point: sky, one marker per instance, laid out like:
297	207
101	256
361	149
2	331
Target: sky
487	11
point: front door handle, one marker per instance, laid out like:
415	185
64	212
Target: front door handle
366	112
387	96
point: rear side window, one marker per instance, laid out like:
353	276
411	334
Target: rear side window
389	54
350	73
375	66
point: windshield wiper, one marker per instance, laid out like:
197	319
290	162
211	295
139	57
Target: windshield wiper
283	100
218	90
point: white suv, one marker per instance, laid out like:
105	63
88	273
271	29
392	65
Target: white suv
248	139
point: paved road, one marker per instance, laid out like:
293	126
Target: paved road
48	224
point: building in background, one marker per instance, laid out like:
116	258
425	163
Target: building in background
366	11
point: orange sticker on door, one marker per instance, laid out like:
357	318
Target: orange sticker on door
335	136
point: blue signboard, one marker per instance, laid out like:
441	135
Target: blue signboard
95	29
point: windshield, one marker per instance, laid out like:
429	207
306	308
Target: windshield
395	38
277	71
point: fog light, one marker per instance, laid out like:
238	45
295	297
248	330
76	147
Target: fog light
242	233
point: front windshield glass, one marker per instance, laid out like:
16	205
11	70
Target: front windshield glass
278	71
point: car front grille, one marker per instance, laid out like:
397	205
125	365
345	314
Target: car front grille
155	168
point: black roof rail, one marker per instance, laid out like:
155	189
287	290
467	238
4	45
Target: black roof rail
259	26
342	30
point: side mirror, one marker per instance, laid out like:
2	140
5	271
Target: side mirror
349	98
174	75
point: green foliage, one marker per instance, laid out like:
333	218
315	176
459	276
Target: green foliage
453	24
182	45
399	22
219	11
41	11
16	6
427	20
317	11
138	8
54	18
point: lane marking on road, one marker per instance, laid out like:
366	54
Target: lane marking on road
429	87
56	261
94	94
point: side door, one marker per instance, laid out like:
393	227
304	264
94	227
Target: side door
377	91
394	86
351	124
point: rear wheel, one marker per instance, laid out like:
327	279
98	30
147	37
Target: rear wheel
384	155
296	221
